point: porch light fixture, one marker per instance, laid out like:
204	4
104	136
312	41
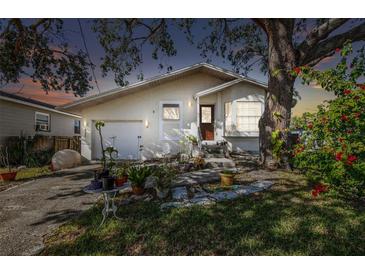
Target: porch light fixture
146	124
189	104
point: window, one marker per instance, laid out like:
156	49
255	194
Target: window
42	121
77	126
228	116
171	111
206	115
170	121
248	115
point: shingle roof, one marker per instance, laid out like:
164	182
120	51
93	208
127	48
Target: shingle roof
28	100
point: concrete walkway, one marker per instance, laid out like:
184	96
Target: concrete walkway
33	209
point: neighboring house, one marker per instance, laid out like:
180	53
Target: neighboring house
154	114
28	117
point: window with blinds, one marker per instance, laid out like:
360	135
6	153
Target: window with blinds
248	115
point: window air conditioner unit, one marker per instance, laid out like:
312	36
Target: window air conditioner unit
42	127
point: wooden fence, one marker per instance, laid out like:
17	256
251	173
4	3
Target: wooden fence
53	143
61	143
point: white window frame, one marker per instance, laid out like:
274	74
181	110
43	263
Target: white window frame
35	121
234	119
161	120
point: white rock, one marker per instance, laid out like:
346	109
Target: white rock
66	158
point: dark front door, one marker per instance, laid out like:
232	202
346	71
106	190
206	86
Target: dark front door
207	121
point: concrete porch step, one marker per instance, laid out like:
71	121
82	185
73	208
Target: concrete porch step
220	162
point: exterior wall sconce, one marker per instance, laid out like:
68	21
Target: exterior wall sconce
146	123
189	104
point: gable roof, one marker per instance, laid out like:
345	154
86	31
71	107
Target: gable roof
32	103
24	99
219	72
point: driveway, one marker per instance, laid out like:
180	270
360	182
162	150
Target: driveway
33	209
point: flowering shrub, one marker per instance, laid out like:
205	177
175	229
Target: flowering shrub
319	188
331	148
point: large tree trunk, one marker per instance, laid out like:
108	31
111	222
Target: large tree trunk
279	99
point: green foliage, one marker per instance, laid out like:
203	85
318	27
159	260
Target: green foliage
120	171
332	147
284	220
138	175
36	48
164	175
277	144
109	159
99	125
22	151
192	139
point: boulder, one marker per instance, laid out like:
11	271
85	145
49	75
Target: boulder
66	158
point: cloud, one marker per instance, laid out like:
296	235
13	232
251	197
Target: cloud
29	89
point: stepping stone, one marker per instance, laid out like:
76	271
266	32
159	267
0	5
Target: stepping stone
263	184
179	193
201	201
220	162
224	195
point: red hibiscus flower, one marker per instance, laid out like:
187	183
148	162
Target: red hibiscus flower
349	131
347	92
310	125
318	189
339	156
357	115
337	49
344	118
362	86
341	139
297	70
350	159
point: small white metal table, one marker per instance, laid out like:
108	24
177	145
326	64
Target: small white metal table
109	205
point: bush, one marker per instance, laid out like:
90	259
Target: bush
332	148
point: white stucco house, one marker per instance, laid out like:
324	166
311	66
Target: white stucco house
148	119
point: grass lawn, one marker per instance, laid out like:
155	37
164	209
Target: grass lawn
24	174
284	220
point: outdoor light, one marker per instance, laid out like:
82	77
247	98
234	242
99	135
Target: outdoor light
146	124
189	103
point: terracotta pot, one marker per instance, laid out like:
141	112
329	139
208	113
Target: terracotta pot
137	190
121	181
226	179
8	176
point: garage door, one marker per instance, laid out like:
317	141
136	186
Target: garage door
125	136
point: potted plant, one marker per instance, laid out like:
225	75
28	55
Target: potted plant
163	175
138	176
121	176
227	177
4	161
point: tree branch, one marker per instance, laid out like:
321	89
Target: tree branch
319	33
261	22
326	48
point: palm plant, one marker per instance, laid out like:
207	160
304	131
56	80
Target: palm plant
138	175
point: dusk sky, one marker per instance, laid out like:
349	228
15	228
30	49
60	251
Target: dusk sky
187	55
